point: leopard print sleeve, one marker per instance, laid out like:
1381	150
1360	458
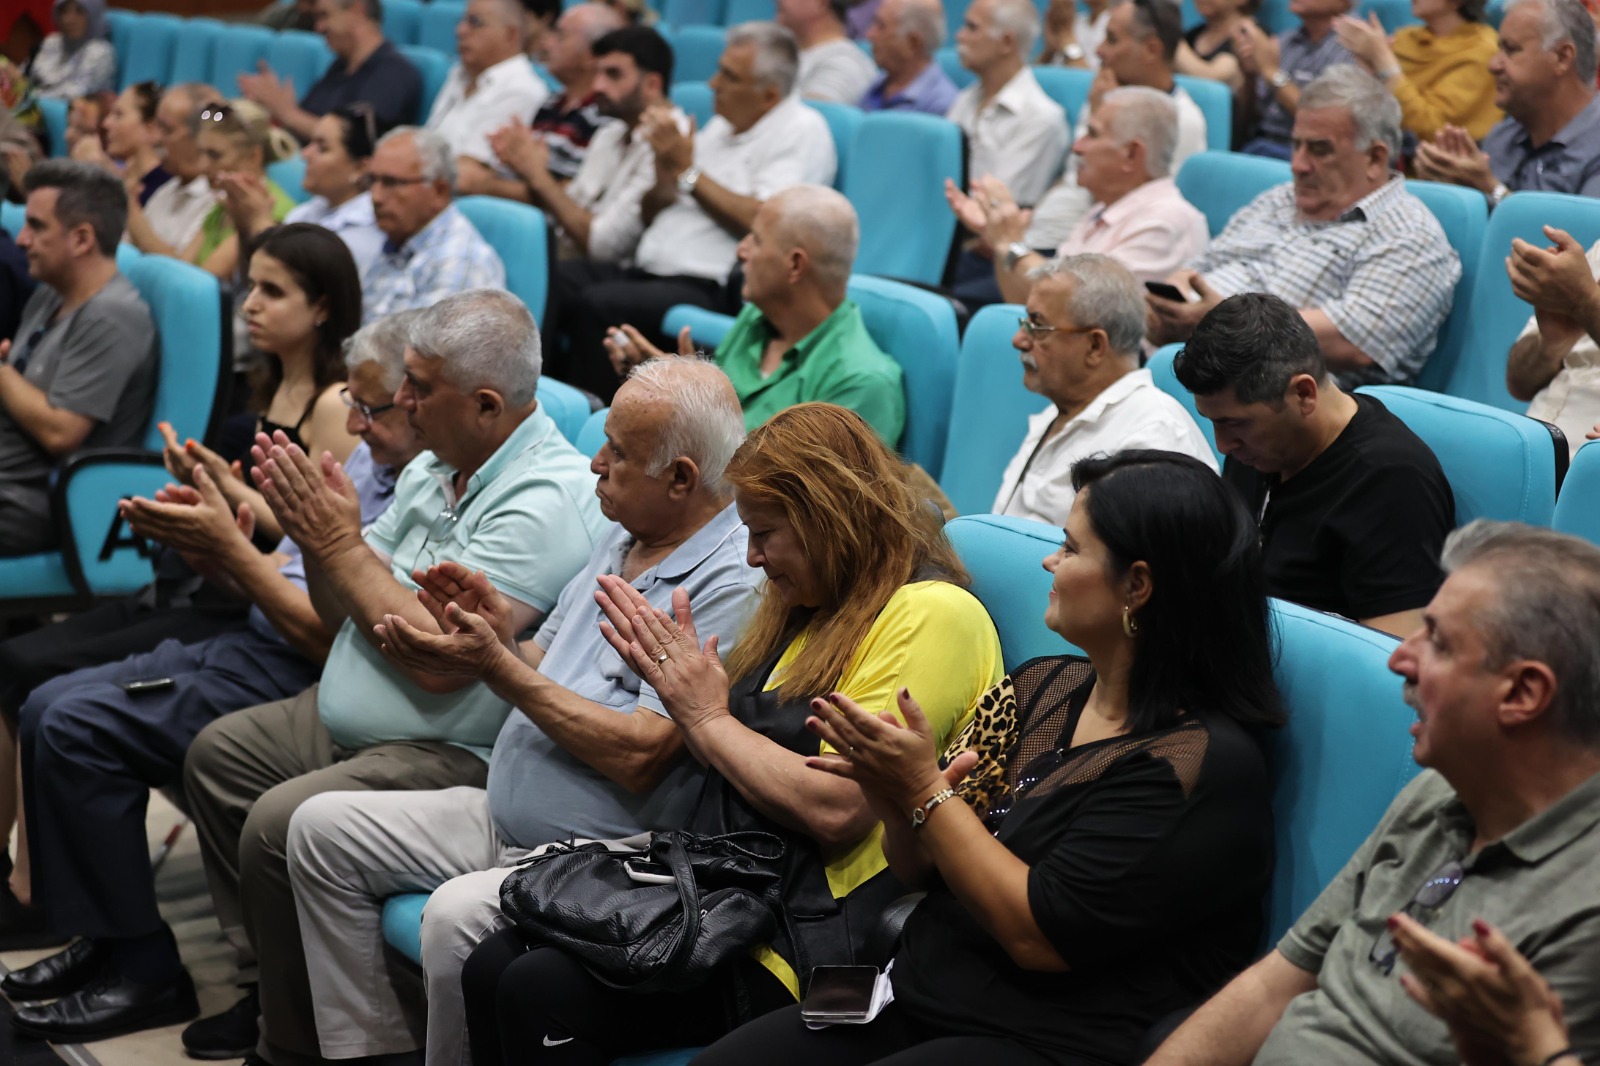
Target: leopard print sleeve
991	733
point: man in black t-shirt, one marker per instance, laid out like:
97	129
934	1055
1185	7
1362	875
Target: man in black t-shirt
1353	506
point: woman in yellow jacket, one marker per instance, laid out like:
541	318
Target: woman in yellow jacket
1439	71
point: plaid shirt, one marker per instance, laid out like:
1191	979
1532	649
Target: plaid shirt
447	255
1383	272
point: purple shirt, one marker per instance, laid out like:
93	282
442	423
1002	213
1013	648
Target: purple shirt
931	92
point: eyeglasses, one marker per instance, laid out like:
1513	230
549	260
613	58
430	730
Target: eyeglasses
444	525
391	181
1423	907
473	21
368	413
1035	330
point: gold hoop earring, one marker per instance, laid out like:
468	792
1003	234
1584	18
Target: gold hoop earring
1130	624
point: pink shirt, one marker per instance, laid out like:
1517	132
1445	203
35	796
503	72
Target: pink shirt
1152	231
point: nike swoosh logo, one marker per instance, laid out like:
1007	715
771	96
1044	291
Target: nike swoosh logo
557	1043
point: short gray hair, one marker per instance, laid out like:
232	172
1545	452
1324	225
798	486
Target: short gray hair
1019	18
1566	20
1148	116
383	344
777	54
433	152
1104	296
1546	607
823	222
1375	112
706	424
487	339
924	20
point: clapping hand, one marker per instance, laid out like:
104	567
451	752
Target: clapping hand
267	89
673	147
627	348
1367	40
247	199
665	653
1454	157
1256	50
893	763
449	583
518	148
316	506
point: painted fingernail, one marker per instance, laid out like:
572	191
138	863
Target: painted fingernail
1480	927
905	693
1393	921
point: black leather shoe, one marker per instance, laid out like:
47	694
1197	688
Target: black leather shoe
111	1006
59	975
233	1034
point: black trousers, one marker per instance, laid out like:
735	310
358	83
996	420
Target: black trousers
541	1006
591	298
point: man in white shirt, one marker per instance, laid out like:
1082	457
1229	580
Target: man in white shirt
1014	131
832	66
493	83
707	188
1139	218
170	219
1079	346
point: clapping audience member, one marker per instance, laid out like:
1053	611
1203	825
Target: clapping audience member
862	598
366	69
93	748
590	750
498	477
236	141
1073	32
1544	78
432	249
832	67
904	35
491	84
169	221
86	116
77	59
1207	50
1439	71
1139	218
1281	67
1555	363
1079	349
799	337
1352	505
1133	800
1375	295
1498	830
130	143
708	186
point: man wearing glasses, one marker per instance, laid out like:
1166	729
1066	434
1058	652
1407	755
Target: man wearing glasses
1503	827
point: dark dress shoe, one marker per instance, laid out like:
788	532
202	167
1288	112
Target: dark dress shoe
233	1034
61	974
111	1006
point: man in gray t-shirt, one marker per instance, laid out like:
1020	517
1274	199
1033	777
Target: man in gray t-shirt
81	370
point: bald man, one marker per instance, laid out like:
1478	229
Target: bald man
798	338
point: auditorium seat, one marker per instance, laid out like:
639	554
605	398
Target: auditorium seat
1220	183
990	412
906	225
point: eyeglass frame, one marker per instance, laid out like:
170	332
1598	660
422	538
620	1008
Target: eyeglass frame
1385	951
368	413
1035	330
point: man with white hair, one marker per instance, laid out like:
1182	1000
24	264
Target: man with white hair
1364	260
491	84
1015	132
1544	77
1079	348
832	66
904	35
432	249
1139	218
799	338
499	491
588	752
708	187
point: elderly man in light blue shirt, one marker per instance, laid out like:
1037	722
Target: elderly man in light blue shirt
500	492
591	754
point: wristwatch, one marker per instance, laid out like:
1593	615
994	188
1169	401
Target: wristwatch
920	814
1014	253
1499	193
686	181
1279	79
1074	53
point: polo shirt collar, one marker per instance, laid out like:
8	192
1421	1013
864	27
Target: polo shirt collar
809	343
1566	820
1584	128
688	556
530	433
1135	201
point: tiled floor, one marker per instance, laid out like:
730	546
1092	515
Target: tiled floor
186	905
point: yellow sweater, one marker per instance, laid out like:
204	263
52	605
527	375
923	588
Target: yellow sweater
1445	80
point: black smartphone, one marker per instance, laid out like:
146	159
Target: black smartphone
1167	291
149	684
839	992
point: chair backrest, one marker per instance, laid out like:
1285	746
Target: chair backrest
54	110
186	305
695	51
1216	104
917	329
1464	215
694	97
1578	503
521	236
300	56
237	51
402	21
950	60
1494	314
12	217
1002	555
1067	86
147	54
436	28
1500	465
677	13
119	25
1393	14
989	416
433	67
738	11
192	53
127	255
706	328
906	226
290	174
593	434
844	120
1160	367
1275	16
1220	183
567	407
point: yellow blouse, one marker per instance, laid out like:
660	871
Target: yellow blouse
1445	80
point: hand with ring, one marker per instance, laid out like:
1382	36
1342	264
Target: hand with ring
887	759
665	653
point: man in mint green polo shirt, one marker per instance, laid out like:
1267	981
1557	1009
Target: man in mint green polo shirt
798	339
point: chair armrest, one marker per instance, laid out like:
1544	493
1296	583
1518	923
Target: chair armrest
706	327
103	556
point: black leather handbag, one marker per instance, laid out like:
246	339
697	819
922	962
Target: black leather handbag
725	898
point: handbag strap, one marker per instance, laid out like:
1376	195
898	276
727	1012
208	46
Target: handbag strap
689	897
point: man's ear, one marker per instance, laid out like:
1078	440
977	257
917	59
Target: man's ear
490	403
1303	393
1531	687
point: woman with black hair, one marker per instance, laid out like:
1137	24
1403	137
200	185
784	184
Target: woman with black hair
1108	865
